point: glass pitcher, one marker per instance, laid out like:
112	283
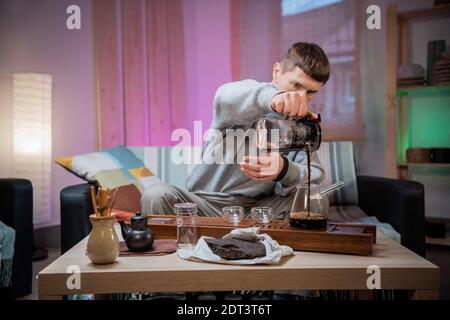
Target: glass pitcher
312	214
288	135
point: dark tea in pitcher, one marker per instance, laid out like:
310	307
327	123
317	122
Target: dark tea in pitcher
309	209
305	220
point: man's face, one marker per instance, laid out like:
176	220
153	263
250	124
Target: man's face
295	80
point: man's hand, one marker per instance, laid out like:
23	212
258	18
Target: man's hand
293	103
262	168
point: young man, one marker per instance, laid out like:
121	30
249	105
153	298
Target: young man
253	181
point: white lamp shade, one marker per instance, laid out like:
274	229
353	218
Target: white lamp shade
32	138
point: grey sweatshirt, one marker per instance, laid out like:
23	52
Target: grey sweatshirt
237	105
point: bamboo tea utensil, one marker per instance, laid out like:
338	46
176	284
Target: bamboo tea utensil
94	201
103	201
111	203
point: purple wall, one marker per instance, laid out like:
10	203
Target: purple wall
34	38
208	56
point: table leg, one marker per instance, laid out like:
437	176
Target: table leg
364	295
426	295
103	296
42	297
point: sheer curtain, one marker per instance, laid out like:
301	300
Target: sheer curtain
147	56
255	38
261	32
140	69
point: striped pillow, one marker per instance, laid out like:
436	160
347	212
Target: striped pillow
110	168
336	158
339	165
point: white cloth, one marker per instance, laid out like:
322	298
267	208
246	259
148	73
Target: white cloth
274	251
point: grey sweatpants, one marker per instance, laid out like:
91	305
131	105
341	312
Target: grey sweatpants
160	199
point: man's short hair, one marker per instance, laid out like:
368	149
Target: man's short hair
310	58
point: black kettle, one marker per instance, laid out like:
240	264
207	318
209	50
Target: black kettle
139	237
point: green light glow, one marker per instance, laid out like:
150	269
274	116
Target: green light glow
428	119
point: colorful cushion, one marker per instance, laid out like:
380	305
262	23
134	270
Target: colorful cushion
111	168
159	160
128	199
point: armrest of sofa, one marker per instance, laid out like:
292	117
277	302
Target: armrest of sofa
397	202
76	206
16	210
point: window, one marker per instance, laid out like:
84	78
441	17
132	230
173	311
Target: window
293	7
265	29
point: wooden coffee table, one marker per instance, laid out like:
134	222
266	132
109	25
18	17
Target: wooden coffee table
400	268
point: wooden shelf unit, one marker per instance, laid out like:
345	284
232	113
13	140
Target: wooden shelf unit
441	10
424	164
439	241
403	167
405	90
397	41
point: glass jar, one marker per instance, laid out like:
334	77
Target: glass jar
186	227
309	211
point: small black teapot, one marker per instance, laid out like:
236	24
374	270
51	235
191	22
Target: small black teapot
138	237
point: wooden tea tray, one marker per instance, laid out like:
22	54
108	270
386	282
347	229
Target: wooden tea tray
337	238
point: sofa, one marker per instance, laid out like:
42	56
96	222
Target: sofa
396	206
16	211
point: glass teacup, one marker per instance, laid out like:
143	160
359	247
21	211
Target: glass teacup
262	214
233	214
